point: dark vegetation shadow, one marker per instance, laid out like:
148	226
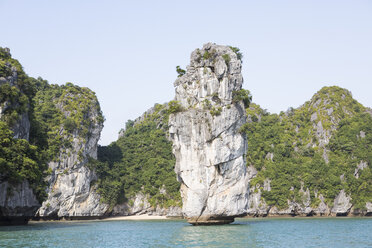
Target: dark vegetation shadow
40	226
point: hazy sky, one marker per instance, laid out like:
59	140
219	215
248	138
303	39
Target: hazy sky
127	51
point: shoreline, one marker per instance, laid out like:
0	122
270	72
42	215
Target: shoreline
138	217
163	217
146	217
109	218
288	216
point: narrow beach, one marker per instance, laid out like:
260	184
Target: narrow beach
138	217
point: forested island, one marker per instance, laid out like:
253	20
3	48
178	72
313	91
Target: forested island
314	160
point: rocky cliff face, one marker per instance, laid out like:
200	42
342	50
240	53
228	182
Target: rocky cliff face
209	150
342	206
140	204
18	202
71	191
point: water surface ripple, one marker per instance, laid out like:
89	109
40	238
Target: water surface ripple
295	232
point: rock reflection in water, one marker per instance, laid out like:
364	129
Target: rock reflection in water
233	235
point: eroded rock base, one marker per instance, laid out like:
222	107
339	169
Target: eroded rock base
208	221
67	218
14	220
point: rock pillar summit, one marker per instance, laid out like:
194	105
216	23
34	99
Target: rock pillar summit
209	150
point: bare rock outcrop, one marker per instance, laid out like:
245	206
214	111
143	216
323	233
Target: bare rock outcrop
341	207
209	150
342	204
139	204
18	203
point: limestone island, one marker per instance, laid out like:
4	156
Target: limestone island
209	150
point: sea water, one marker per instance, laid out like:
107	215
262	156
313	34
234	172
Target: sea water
270	232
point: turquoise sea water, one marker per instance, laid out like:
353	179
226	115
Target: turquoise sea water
295	232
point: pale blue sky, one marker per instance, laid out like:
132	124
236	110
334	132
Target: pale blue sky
127	51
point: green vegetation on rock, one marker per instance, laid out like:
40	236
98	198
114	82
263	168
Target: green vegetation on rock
242	95
317	146
56	115
173	107
16	93
324	146
59	111
141	160
21	161
180	71
227	58
351	147
237	52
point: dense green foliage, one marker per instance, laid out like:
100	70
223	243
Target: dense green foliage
242	95
286	149
180	71
20	161
59	113
207	55
140	161
349	148
15	96
174	107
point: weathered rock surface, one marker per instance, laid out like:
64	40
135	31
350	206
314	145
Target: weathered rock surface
341	204
17	203
361	166
369	208
256	204
139	204
341	207
71	191
209	150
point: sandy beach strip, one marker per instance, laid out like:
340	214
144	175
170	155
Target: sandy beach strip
138	217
